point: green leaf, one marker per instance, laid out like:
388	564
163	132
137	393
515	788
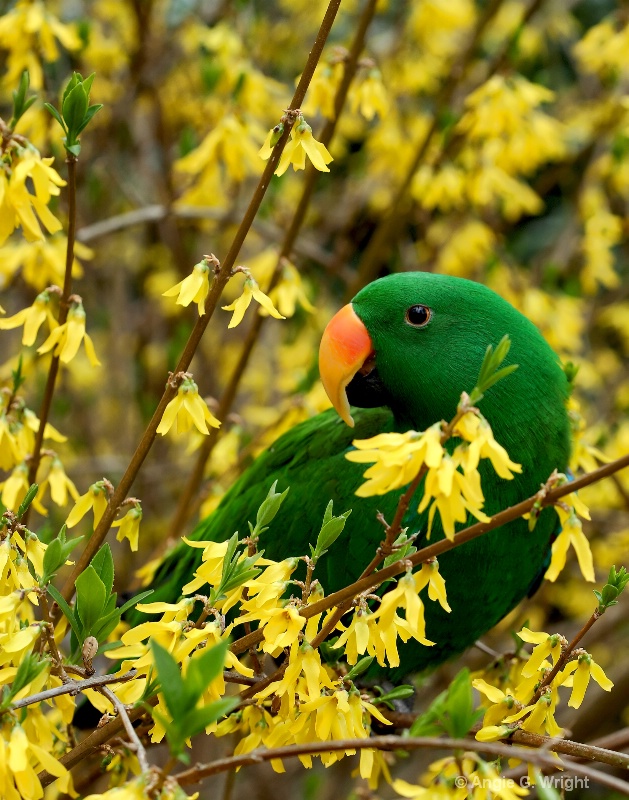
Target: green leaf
91	597
29	668
544	788
489	373
68	612
28	499
20	103
17	376
269	508
327	514
57	554
88	83
398	693
91	111
403	548
170	680
451	711
362	665
137	599
74	80
197	720
330	531
203	669
56	115
103	564
459	716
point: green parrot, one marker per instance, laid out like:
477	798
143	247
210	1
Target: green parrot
401	353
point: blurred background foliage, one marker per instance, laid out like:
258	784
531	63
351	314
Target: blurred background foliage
488	140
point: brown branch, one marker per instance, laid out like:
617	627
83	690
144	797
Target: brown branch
64	305
590	752
74	687
603	749
444	545
216	289
200	771
186	503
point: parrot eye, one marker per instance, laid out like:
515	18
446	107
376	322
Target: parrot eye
418	316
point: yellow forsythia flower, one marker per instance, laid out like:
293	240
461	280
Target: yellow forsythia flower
188	409
578	673
95	498
193	288
301	144
32	318
65	340
23	759
282	626
571	534
398	458
43	262
251	291
59	483
129	525
370	97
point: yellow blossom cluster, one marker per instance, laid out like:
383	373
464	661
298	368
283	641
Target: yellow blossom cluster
41	263
376	633
18	426
20	207
28	31
452	485
531	703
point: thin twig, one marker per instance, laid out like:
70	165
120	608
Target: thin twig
64	305
94	741
74	687
307	248
444	545
200	771
123	714
216	289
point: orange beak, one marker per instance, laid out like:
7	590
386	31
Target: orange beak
345	346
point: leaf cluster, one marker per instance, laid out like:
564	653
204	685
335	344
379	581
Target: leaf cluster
76	111
236	570
21	103
267	511
451	712
182	694
56	555
95	612
331	529
489	372
615	585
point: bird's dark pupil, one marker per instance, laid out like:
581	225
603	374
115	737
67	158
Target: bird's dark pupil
418	315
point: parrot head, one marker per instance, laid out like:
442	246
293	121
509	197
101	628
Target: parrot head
414	341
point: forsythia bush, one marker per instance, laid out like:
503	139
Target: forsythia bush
486	140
